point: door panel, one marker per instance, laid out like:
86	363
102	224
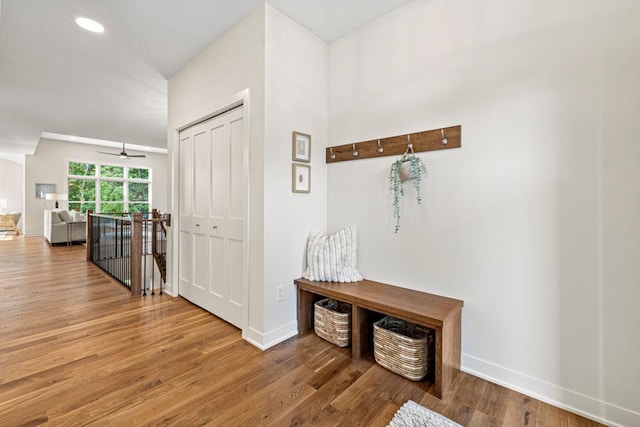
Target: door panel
185	264
219	171
212	215
218	279
235	174
186	174
200	270
201	174
235	270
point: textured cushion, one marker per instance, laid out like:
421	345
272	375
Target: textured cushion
332	258
78	216
55	218
65	216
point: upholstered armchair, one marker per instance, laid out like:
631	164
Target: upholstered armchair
60	226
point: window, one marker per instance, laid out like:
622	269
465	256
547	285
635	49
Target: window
108	188
112	196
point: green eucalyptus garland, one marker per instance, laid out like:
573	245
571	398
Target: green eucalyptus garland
398	174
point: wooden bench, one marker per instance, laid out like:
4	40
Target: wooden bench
371	299
9	222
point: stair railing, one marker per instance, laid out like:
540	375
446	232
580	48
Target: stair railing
159	244
121	245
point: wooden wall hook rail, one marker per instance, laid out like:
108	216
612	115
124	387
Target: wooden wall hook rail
428	140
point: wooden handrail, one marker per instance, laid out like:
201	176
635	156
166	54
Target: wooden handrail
158	218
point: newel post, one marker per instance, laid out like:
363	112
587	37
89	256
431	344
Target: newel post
154	231
136	255
89	236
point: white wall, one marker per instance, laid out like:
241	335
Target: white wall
534	221
211	81
48	165
12	186
287	92
296	76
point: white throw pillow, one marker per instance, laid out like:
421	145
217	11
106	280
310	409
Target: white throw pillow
332	258
78	216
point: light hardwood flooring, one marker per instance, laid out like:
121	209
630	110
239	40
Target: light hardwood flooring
77	349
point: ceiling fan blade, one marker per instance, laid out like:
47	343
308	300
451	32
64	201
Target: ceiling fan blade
123	154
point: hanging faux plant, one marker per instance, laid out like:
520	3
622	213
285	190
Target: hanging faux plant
408	167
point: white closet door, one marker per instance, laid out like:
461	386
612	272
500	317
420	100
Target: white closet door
211	215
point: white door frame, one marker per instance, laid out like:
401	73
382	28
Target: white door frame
241	98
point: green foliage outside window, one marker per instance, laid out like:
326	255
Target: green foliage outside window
139	207
82	207
82	194
138	192
108	208
111	191
139	173
108	171
82	169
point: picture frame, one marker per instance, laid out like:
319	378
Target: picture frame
43	189
301	147
301	178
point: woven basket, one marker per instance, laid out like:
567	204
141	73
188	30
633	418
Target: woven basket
402	347
332	321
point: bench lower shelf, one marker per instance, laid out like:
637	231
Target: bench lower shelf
370	300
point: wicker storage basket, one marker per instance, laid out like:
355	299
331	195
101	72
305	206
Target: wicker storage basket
332	321
402	347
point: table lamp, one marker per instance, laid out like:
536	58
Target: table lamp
56	197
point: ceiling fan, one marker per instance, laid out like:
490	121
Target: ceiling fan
123	154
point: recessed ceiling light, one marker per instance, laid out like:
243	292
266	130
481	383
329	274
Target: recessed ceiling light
90	25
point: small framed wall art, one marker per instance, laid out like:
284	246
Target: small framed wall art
301	147
43	189
301	178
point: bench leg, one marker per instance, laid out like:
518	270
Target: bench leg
359	331
305	311
448	353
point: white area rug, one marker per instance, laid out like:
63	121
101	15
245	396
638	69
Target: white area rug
413	415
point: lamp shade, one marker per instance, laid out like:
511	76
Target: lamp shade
56	197
3	203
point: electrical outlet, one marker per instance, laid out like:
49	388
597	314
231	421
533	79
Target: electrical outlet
280	295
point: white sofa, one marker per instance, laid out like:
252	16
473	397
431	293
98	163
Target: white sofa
60	226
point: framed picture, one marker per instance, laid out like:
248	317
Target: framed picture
43	189
301	178
301	147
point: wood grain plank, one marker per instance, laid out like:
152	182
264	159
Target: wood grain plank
77	349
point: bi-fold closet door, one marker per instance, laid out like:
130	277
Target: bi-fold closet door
211	215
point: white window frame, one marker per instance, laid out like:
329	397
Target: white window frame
125	180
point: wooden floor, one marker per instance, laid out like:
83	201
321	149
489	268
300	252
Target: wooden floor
76	349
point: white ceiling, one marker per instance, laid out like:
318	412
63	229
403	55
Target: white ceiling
58	78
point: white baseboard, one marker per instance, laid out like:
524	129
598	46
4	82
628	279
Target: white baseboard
169	292
168	289
578	403
271	338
